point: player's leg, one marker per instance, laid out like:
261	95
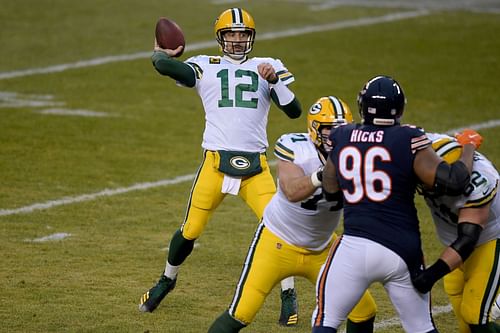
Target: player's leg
412	307
204	198
341	282
362	317
495	311
481	271
257	191
454	288
263	268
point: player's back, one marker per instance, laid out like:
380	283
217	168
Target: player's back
375	172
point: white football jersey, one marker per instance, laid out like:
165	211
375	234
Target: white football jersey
236	100
308	224
483	188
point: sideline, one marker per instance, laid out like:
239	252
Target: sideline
207	44
165	182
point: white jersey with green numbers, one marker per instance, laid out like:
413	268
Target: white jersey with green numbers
308	224
236	100
482	189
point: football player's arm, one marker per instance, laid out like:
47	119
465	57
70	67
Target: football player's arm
444	178
281	95
471	222
294	183
177	70
331	189
292	110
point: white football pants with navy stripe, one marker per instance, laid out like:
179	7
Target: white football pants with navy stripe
351	268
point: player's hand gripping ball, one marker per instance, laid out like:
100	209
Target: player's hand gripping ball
169	35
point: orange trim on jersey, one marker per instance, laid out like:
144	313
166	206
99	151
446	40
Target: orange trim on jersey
321	287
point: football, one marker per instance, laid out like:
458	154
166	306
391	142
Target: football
169	35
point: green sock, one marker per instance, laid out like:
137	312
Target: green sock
496	327
361	327
488	328
180	248
225	324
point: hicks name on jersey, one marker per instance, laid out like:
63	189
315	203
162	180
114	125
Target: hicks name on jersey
363	136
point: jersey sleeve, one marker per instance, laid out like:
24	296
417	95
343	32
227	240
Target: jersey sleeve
282	72
283	149
483	186
196	63
418	137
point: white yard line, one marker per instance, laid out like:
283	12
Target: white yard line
164	182
395	321
93	196
212	43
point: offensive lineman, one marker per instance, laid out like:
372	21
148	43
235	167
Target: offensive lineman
375	166
469	225
297	230
236	92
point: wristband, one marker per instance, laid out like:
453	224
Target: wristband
315	179
285	95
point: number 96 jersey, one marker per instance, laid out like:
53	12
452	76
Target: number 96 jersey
308	224
236	100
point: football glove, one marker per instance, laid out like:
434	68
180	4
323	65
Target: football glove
425	279
469	136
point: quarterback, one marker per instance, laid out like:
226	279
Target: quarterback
236	92
297	230
469	225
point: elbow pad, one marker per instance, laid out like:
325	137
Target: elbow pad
451	179
468	235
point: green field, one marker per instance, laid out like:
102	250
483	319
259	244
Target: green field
106	120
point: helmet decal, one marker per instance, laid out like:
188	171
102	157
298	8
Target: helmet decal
235	20
326	112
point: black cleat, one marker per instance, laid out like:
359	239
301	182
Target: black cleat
289	309
153	297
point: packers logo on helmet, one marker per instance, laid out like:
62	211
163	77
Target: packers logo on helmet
235	19
326	111
448	149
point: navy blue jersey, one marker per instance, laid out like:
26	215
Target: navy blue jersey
375	172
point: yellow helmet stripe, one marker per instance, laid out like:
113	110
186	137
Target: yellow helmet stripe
447	147
237	16
337	108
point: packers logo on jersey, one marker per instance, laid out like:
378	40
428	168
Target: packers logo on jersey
239	162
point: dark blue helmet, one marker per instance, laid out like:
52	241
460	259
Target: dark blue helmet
381	101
